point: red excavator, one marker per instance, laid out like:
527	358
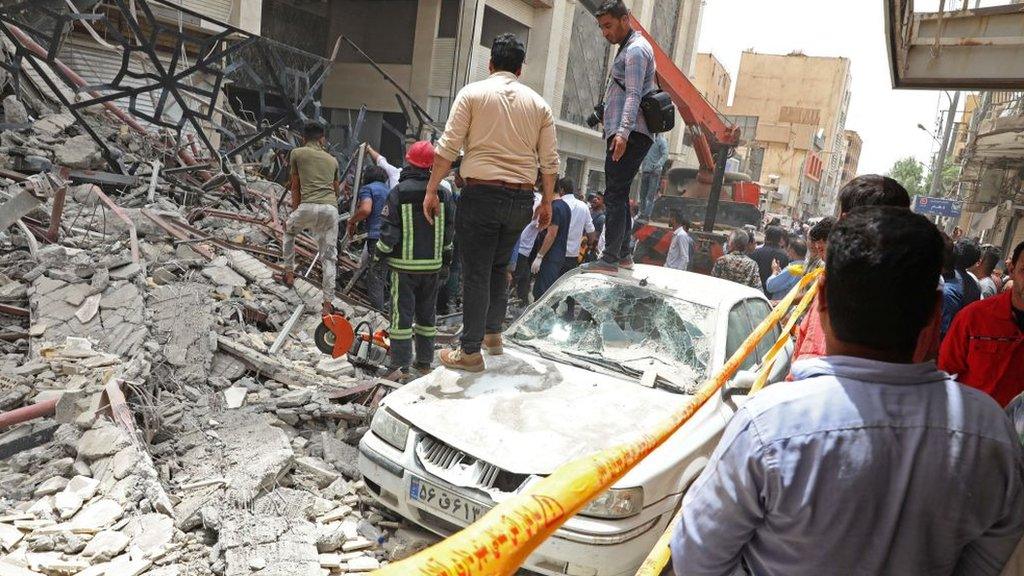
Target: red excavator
696	194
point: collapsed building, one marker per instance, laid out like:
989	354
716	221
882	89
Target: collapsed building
163	409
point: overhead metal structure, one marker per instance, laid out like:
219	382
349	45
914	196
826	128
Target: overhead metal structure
981	48
182	74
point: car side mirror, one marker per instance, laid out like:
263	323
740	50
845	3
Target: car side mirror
740	384
744	380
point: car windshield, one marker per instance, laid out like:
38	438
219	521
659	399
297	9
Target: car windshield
632	328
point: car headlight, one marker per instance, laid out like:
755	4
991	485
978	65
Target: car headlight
616	503
389	428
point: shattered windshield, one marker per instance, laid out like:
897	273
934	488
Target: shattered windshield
633	328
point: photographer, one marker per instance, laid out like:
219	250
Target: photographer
625	129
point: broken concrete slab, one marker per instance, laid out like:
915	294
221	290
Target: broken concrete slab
9	536
97	516
182	323
78	152
288	546
105	545
104	440
316	469
14	111
224	276
51	486
150	535
235	396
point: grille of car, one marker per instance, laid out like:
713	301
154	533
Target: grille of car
461	469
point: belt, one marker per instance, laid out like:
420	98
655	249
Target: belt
499	184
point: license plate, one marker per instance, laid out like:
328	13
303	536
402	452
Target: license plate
446	502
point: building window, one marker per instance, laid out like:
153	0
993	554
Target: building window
574	169
595	182
585	73
496	23
448	24
665	22
362	21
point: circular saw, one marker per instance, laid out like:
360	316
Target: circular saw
334	335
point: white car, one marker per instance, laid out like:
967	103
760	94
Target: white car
597	360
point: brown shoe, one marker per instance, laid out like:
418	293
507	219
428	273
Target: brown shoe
492	344
459	360
289	278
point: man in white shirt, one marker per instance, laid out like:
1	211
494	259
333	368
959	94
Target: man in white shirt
682	245
394	173
580	222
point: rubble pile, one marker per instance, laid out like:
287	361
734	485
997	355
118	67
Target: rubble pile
195	429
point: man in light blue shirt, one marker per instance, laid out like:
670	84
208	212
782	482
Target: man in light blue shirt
868	464
650	174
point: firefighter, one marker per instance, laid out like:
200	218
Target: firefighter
416	251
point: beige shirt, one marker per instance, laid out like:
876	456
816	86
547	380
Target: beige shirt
317	171
505	129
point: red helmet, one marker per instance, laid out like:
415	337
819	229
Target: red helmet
420	154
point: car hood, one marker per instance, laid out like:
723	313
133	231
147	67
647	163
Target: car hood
527	414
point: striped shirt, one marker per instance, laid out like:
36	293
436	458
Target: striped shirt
634	68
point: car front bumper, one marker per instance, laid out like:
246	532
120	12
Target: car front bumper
582	547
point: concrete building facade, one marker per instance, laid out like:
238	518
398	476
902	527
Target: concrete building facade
851	158
431	48
713	80
801	103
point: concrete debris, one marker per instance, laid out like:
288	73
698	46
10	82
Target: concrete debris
178	444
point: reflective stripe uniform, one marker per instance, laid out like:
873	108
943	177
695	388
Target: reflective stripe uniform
415	250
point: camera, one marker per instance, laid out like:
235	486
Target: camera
597	116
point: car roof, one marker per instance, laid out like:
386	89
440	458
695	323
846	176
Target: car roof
697	288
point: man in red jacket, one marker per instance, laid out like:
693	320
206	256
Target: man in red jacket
985	343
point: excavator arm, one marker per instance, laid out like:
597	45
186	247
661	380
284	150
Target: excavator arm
709	132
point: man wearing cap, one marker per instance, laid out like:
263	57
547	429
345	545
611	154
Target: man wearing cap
507	134
416	250
314	186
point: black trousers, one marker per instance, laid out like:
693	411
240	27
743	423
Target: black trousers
375	278
490	220
521	277
570	263
413	311
617	178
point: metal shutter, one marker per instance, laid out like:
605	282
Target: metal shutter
442	66
215	9
98	65
481	62
515	9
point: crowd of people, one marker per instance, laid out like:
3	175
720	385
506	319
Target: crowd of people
887	452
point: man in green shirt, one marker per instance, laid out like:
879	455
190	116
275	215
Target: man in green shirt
314	185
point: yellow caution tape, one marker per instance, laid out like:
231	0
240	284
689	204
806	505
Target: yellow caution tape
500	541
660	555
769	359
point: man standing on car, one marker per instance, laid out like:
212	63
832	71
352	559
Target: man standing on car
625	130
507	132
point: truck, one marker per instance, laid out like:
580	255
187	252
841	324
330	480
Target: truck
738	209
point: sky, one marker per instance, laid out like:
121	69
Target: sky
886	119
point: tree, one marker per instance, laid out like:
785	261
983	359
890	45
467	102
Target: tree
910	173
950	174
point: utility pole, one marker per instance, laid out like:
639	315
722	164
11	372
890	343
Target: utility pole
947	134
